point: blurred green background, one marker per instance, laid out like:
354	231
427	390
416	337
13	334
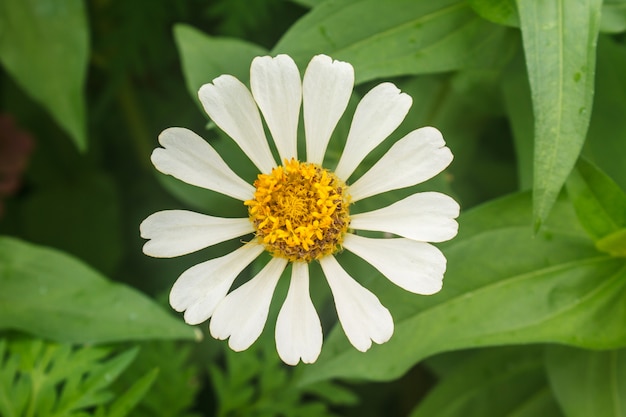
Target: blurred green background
531	98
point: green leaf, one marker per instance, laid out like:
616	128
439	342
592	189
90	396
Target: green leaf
14	391
332	393
397	37
502	286
614	244
307	3
607	129
493	382
176	386
44	45
503	12
599	202
47	379
100	377
560	47
256	383
613	16
127	401
588	383
516	93
53	295
205	58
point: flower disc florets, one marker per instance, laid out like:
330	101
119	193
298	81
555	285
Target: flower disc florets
300	211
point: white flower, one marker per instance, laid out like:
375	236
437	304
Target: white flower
299	211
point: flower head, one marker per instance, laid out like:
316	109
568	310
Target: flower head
299	210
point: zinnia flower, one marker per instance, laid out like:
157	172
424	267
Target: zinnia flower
299	211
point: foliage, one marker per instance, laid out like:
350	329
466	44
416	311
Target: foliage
506	381
530	97
255	383
86	307
176	385
47	379
55	74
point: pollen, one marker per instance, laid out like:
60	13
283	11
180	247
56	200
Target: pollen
300	211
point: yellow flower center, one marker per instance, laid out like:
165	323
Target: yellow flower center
300	211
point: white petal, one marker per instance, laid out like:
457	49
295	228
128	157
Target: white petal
277	89
428	217
298	327
179	232
415	266
231	106
378	114
200	288
190	158
243	313
363	318
418	156
326	90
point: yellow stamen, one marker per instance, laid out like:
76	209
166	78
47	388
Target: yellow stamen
300	211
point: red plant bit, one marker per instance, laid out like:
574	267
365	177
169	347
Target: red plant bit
16	146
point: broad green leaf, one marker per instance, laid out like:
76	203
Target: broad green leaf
397	37
599	203
308	3
613	16
53	295
607	129
503	12
560	47
588	383
502	286
493	382
205	58
44	46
